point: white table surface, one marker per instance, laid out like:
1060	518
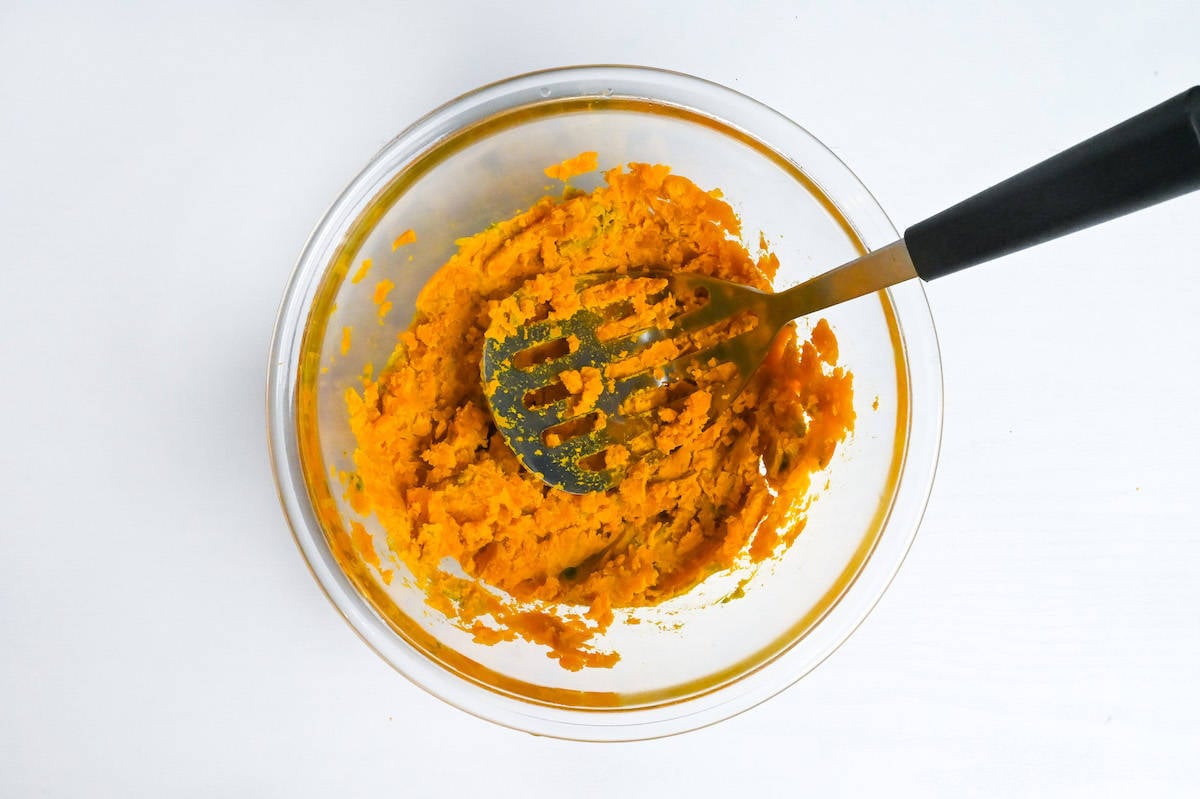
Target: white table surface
160	168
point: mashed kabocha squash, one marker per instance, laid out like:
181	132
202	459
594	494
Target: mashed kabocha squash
495	549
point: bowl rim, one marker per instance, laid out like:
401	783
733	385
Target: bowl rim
734	110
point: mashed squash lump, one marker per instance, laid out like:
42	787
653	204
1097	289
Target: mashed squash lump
505	556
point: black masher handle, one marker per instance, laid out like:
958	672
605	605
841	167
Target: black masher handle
1147	159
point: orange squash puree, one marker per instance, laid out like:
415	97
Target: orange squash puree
362	270
549	567
577	165
407	237
379	297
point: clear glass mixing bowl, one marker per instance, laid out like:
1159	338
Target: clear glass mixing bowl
694	660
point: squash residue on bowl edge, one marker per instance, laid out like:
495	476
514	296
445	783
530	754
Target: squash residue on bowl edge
503	555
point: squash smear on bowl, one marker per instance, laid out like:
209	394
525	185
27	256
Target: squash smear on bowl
505	556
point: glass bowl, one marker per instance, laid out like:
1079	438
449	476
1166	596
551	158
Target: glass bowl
696	659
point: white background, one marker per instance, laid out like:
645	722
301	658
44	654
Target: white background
160	168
